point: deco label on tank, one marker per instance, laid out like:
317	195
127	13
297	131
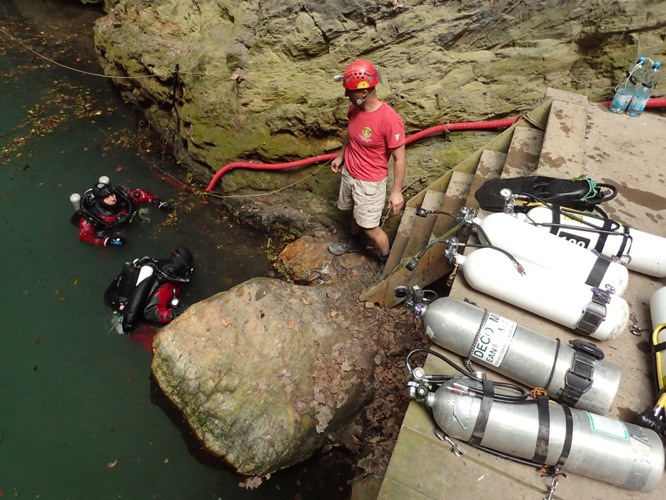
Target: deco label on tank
493	340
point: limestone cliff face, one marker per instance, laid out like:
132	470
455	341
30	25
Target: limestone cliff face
229	80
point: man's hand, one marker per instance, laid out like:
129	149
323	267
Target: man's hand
396	201
163	206
337	163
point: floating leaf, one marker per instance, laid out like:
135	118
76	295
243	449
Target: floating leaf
251	483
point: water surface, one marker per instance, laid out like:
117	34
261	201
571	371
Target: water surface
76	416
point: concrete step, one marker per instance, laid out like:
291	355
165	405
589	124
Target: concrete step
490	166
401	239
523	155
563	148
423	226
456	197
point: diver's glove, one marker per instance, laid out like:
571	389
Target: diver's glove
116	241
163	206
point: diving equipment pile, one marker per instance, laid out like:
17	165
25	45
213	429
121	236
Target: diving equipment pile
537	238
566	208
547	247
536	431
575	374
502	419
576	288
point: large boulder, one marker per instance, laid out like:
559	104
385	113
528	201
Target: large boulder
252	80
267	372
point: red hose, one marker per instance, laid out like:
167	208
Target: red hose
266	166
447	127
655	102
659	102
450	127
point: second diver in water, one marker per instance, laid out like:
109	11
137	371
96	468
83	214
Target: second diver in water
148	289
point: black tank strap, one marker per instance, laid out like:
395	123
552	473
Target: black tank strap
594	312
606	227
552	370
659	347
543	435
566	447
484	413
578	378
627	240
598	271
556	211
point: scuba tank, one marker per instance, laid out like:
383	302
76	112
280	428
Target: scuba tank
524	241
129	292
643	252
605	449
656	417
658	317
575	374
75	200
589	311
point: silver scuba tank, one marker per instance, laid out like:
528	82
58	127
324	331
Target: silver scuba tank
616	452
574	374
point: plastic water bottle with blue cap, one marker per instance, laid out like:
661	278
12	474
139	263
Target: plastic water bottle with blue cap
625	90
644	91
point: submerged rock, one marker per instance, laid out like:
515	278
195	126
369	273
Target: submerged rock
265	372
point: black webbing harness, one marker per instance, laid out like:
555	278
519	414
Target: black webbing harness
606	230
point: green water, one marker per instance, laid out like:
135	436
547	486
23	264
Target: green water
76	416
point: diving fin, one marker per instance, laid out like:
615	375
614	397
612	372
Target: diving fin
580	193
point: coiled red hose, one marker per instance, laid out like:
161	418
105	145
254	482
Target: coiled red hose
446	127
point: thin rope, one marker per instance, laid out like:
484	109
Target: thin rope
98	75
64	66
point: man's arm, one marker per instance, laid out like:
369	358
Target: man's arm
338	161
396	199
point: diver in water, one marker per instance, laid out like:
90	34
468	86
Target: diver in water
148	289
105	207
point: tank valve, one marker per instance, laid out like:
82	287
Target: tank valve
75	199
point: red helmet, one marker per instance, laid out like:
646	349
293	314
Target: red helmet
360	74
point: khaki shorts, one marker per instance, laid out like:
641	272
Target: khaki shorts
367	198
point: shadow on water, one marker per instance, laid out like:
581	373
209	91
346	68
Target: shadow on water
77	416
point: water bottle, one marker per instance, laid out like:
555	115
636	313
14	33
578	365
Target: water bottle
625	90
643	93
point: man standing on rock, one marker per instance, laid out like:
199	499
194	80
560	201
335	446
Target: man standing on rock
375	134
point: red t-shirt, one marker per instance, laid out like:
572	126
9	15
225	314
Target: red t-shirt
372	136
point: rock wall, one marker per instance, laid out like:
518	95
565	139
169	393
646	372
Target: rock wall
226	80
